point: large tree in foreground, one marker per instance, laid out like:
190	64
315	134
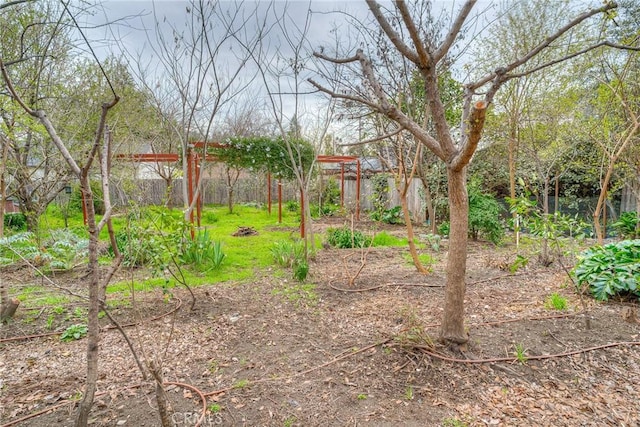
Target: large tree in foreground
413	34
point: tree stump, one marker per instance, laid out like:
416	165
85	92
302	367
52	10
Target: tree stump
8	309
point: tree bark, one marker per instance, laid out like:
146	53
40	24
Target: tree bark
95	296
452	329
428	199
3	185
407	220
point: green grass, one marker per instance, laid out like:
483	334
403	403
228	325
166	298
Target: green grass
555	301
244	255
425	259
36	296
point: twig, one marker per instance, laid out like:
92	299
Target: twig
427	350
384	285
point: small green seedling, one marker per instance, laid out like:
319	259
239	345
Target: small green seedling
408	393
520	354
214	408
362	396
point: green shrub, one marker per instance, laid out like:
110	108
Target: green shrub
628	225
610	270
64	249
380	195
331	192
326	210
484	216
140	246
393	216
444	228
15	221
292	206
287	253
343	238
17	246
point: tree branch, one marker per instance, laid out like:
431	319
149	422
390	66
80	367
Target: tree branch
13	3
335	60
376	139
573	55
394	37
474	128
540	47
423	55
454	31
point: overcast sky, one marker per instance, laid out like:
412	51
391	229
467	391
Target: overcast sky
131	28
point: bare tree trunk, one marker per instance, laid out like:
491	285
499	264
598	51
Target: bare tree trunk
556	200
164	407
428	199
169	183
601	206
452	329
545	259
412	245
3	184
95	296
512	168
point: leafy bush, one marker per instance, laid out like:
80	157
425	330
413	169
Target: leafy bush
300	270
15	221
292	206
140	246
484	216
628	225
609	270
380	195
326	210
444	228
331	192
392	216
61	251
343	238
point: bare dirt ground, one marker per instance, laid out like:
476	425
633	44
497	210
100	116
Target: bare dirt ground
274	353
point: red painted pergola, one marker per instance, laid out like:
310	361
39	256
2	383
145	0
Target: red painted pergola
342	160
193	175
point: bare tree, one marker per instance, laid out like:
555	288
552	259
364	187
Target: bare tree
199	73
409	30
